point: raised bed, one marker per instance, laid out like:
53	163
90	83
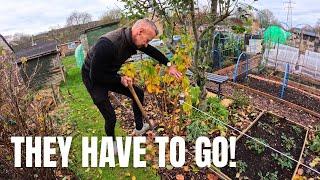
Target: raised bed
246	116
278	100
300	79
291	83
292	95
242	118
254	161
250	122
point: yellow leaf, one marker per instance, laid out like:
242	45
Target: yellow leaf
155	166
41	119
150	88
186	108
4	53
149	147
185	83
38	97
133	178
23	60
297	177
176	129
186	168
315	162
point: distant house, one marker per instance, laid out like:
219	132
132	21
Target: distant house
308	40
67	49
41	63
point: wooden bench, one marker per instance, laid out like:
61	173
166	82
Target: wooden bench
218	79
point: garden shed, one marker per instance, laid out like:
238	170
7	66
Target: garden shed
41	64
91	35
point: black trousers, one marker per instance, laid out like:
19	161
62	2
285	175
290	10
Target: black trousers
99	95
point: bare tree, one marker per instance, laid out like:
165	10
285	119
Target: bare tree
76	18
266	18
111	15
317	26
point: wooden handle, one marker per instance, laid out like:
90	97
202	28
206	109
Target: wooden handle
134	94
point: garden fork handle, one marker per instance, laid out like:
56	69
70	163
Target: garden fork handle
144	114
135	97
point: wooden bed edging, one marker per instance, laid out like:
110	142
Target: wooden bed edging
225	177
273	113
304	143
249	127
220	173
282	117
302	151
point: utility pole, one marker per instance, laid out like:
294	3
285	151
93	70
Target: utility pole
289	7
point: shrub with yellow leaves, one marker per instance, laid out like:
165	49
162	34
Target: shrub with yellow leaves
166	88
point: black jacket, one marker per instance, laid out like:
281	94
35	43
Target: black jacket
105	58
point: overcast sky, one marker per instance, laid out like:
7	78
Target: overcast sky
34	16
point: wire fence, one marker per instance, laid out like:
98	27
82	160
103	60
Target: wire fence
307	64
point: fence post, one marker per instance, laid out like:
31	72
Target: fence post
285	81
247	66
216	55
276	63
265	57
316	72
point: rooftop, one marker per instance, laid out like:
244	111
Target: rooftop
38	50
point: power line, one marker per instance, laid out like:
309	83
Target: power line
289	8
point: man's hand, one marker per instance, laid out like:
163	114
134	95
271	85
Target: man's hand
174	72
126	81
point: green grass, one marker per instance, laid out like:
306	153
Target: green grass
89	122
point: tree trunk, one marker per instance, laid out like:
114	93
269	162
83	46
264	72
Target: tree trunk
213	16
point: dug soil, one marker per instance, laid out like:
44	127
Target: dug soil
290	95
264	162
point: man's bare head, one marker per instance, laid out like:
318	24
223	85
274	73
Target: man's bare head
143	31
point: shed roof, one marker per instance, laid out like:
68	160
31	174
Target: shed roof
38	50
305	32
101	26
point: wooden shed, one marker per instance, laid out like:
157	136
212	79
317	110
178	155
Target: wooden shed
41	63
